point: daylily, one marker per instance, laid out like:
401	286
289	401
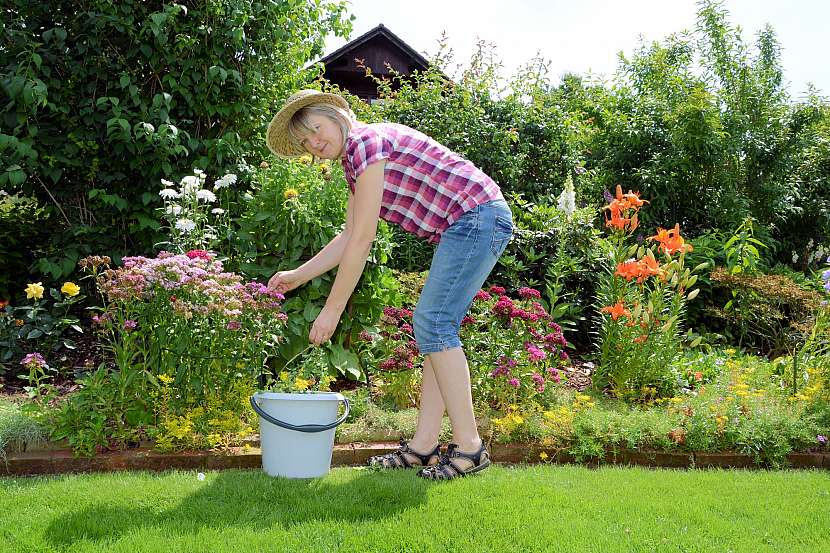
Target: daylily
629	270
671	241
617	310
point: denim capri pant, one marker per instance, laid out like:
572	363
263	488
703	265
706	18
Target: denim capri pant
467	252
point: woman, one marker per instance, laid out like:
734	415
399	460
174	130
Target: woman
401	175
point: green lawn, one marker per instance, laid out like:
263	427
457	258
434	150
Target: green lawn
505	509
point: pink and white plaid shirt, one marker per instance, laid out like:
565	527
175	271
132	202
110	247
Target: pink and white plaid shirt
426	186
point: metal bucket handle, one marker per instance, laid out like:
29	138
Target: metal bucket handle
301	427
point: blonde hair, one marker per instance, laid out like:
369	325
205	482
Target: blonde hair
299	126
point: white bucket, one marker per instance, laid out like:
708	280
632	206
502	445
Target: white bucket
296	432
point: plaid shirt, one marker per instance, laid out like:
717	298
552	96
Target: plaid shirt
426	186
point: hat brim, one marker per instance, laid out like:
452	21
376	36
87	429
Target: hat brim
278	137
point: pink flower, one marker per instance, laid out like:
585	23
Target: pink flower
497	290
34	360
529	293
467	320
514	382
234	325
406	327
130	325
534	353
481	295
364	336
199	254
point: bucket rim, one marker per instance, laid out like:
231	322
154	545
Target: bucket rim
300	396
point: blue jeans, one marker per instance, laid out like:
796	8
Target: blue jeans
463	259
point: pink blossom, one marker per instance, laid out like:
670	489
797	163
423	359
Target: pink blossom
497	290
514	382
481	295
529	293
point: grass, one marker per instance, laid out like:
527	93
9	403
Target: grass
538	508
17	430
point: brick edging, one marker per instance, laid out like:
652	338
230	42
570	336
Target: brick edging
51	461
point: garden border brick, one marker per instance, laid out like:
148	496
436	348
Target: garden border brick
49	460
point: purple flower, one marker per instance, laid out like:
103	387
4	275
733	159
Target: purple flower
822	439
130	325
607	195
534	353
579	170
34	360
234	325
514	382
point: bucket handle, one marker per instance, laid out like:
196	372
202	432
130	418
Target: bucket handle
301	427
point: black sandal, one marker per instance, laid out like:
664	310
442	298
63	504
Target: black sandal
398	460
446	469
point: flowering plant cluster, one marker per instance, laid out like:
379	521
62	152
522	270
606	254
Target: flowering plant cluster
39	327
515	351
193	217
641	301
184	316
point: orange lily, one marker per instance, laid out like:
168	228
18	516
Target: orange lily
629	270
650	267
617	310
641	338
670	241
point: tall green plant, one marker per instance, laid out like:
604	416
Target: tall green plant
106	98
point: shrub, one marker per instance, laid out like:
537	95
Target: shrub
769	313
107	98
296	209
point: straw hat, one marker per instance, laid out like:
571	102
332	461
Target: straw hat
278	138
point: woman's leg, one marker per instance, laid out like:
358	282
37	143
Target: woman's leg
431	413
453	376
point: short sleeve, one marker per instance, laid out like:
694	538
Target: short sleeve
366	147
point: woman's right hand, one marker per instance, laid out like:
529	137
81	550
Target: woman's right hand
283	281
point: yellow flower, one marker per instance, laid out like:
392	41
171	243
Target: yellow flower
166	378
301	384
543	456
549	415
284	376
676	399
305	158
742	393
34	290
70	289
290	193
517	419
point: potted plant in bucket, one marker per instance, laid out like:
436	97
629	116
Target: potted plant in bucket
298	417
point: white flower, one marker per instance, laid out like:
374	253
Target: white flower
169	194
174	209
567	199
166	183
810	244
198	172
217	211
225	181
247	196
795	257
206	196
201	476
190	185
185	225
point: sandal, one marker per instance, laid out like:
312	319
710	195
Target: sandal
399	459
446	469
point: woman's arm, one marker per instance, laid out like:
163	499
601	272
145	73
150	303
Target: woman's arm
325	260
366	212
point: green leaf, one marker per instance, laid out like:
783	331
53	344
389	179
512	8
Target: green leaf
34	333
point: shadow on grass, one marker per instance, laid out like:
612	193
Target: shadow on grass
253	500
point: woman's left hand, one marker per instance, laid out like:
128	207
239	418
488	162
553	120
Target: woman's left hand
324	326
